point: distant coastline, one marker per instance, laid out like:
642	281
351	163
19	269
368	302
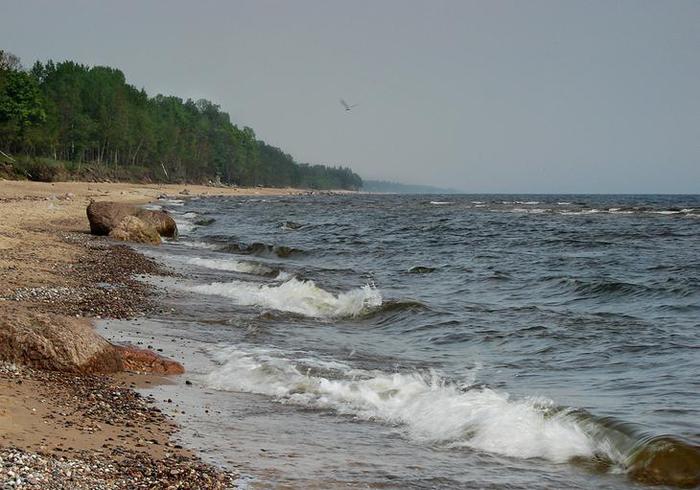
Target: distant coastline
388	187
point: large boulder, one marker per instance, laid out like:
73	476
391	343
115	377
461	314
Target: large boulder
162	221
54	342
61	343
104	216
133	229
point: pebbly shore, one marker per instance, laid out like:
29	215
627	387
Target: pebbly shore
74	428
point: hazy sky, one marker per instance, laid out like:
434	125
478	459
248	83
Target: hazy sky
487	96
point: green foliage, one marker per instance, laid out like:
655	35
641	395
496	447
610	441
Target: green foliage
20	106
39	169
105	128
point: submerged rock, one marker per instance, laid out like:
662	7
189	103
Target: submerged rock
204	221
666	461
133	229
420	269
292	225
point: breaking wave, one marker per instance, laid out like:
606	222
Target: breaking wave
231	266
427	407
432	410
297	296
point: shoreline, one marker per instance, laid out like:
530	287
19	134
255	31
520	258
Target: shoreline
84	430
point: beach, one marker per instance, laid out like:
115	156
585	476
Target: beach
71	429
334	340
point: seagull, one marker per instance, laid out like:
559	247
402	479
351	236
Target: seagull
347	107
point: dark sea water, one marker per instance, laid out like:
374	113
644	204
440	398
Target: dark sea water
477	341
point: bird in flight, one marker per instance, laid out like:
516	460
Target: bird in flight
347	107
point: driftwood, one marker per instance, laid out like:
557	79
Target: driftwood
7	156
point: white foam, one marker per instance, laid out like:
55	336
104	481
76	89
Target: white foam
152	207
172	202
230	265
184	222
295	296
283	276
428	408
438	203
184	227
584	211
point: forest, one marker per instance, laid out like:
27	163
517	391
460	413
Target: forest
66	120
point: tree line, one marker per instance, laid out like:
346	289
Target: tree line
90	118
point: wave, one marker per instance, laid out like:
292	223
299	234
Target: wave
608	288
231	266
438	203
262	249
171	202
296	296
431	410
198	244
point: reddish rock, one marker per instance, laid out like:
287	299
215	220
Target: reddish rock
147	361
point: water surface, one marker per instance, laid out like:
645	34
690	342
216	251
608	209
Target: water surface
439	341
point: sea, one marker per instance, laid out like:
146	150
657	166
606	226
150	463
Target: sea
433	341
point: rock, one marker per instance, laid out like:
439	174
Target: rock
204	221
162	221
291	225
144	360
666	461
133	229
421	269
104	216
54	342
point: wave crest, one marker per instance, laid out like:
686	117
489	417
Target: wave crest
428	408
296	296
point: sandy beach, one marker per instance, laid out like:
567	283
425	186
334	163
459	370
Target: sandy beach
71	429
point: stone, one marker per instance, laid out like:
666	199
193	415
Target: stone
162	221
144	360
133	229
54	342
104	216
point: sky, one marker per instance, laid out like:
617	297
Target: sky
482	96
